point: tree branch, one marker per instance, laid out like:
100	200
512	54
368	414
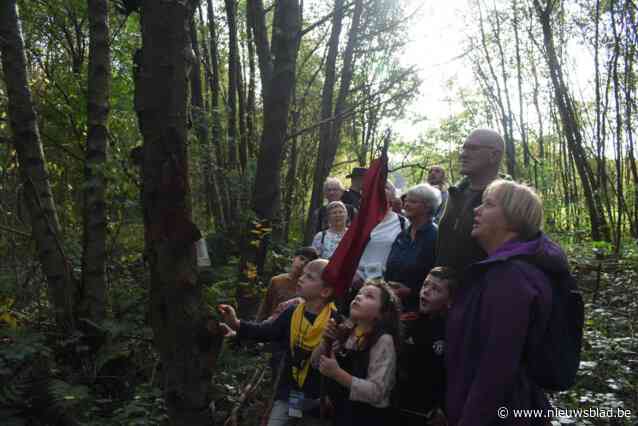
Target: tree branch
324	19
15	231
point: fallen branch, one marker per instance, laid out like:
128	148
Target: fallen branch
247	392
15	231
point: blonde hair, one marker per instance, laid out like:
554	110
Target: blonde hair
522	207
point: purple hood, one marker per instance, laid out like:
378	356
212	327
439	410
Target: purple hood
541	251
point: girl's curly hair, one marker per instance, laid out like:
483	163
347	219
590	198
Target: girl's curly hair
390	321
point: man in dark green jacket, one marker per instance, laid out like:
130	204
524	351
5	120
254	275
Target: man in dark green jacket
480	162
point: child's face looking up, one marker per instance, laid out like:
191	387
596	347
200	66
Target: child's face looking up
298	262
310	283
435	295
367	305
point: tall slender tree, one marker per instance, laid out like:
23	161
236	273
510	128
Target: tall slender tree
36	188
94	238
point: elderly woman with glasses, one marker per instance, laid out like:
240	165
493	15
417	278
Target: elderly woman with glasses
502	311
413	251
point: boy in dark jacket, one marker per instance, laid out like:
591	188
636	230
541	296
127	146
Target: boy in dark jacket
300	328
421	364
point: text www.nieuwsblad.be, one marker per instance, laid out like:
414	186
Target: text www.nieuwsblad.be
599	413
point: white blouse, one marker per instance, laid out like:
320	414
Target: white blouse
375	255
330	242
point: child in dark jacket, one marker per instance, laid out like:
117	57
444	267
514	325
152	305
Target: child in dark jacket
301	327
422	363
363	368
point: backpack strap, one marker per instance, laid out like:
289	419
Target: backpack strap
402	221
323	237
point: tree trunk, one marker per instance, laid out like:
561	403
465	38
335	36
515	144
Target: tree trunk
257	17
519	75
323	164
94	238
619	132
285	46
510	149
217	128
215	86
186	344
200	121
233	78
252	76
569	120
347	72
629	94
497	95
37	190
277	94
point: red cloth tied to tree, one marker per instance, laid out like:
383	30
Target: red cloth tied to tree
343	263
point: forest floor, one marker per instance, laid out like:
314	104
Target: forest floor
119	384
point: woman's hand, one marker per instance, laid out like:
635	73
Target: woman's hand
328	366
229	316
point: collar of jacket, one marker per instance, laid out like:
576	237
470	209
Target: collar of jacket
464	183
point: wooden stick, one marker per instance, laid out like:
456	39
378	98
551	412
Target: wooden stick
247	391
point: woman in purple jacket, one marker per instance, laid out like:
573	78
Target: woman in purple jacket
502	310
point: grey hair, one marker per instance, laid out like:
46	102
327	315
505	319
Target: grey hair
333	180
428	194
332	204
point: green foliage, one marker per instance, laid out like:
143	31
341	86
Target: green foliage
22	354
146	408
608	375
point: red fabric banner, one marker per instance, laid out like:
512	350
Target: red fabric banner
343	263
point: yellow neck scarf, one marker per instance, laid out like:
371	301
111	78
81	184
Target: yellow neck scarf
306	337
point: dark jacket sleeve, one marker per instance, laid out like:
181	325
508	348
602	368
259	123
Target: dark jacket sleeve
504	322
267	331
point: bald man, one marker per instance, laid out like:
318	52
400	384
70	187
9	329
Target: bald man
480	158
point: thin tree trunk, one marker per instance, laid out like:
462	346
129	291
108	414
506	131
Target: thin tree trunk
186	342
277	93
200	121
285	46
570	122
45	226
600	160
323	163
257	16
619	132
217	135
252	76
629	93
510	149
94	238
233	82
519	75
498	98
347	71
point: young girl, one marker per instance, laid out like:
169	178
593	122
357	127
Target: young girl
363	367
